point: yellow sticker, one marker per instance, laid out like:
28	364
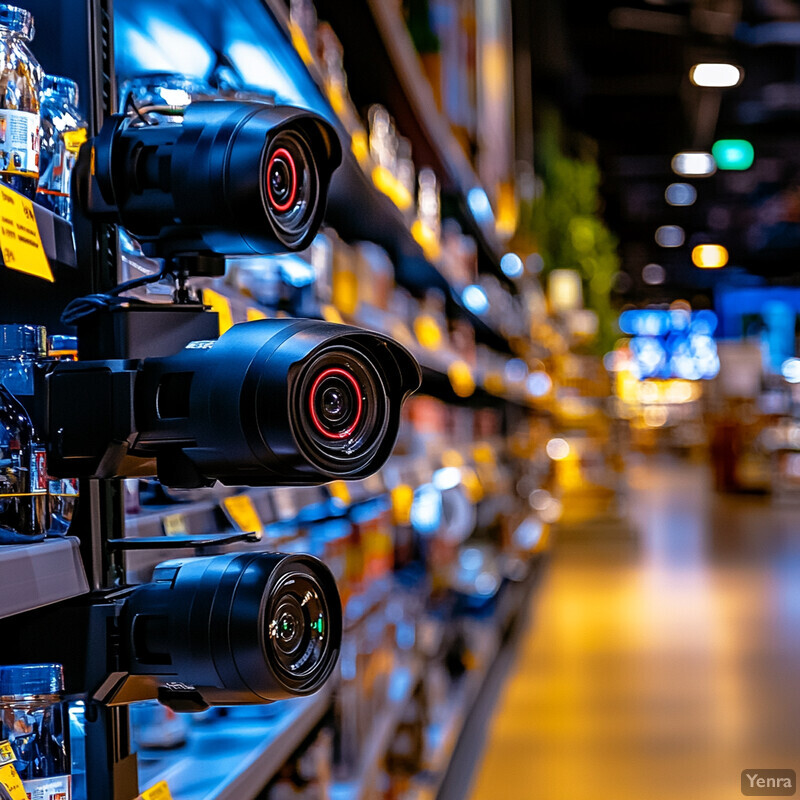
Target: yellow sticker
254	314
19	236
158	792
74	139
219	303
331	314
243	513
174	525
340	491
12	783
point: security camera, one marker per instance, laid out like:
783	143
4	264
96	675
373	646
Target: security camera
235	178
270	402
232	629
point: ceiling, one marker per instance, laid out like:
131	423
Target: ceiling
620	73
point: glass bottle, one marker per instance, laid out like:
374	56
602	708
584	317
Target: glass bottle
20	83
33	721
63	133
23	475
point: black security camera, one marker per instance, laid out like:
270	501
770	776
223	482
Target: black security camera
235	178
270	402
232	629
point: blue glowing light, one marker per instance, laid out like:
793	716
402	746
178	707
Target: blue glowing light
515	370
790	369
475	299
426	509
479	205
512	265
446	478
538	384
296	272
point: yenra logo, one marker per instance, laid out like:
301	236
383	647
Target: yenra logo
768	782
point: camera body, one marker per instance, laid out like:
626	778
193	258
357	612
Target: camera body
235	178
271	402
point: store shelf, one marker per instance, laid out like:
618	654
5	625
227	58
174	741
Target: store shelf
230	758
35	575
402	683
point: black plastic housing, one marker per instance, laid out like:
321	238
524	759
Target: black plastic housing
201	186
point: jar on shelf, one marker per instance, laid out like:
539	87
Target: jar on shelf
63	133
20	84
34	721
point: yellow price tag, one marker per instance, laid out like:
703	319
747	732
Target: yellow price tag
12	783
242	512
402	500
19	236
158	792
254	314
7	754
340	491
331	314
174	525
219	303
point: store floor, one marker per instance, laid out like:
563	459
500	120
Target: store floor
659	664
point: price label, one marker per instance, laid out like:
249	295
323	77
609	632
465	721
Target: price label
242	512
20	241
7	754
219	303
158	792
174	525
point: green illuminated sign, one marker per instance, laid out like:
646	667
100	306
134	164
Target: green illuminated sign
733	154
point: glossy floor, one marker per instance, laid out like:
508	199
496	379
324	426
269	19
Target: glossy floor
663	656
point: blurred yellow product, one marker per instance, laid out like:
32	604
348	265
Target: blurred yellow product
472	483
300	43
506	220
427	331
483	453
402	499
461	378
452	458
345	290
222	305
254	314
387	183
331	314
335	97
427	239
340	491
494	383
359	145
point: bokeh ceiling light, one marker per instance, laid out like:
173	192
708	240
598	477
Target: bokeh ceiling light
733	154
719	76
512	265
680	194
654	274
670	236
709	256
694	164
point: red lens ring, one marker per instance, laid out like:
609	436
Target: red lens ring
315	418
282	151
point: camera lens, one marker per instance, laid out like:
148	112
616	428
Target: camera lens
336	403
292	185
282	175
342	409
297	625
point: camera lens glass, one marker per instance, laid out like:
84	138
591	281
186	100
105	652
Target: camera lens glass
291	183
297	625
342	409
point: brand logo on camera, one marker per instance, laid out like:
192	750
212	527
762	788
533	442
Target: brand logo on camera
769	782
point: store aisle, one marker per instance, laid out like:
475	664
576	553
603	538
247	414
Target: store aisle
659	669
